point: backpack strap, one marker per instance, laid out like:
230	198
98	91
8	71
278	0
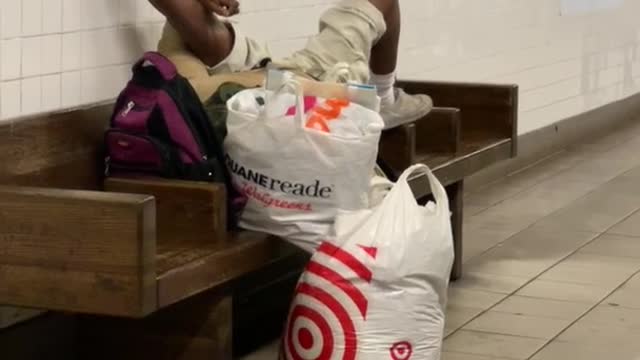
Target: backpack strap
164	66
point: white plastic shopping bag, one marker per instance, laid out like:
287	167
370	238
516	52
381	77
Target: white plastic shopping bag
298	159
379	290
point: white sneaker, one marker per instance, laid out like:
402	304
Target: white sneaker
406	109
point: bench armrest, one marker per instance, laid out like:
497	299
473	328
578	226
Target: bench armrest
487	110
188	212
438	133
80	251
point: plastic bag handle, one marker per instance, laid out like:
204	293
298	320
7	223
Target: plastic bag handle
296	86
438	191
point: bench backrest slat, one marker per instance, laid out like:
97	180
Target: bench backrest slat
60	150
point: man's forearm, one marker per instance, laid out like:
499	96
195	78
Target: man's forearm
200	29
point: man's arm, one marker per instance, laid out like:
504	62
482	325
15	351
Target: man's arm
208	37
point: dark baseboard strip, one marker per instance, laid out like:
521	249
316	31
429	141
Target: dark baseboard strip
542	143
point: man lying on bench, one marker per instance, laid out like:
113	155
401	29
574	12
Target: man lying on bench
361	33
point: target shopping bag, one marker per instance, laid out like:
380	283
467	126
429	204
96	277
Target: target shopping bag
379	290
297	159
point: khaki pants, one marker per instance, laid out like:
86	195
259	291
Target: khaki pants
347	33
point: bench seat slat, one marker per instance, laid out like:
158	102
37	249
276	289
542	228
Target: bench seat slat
219	265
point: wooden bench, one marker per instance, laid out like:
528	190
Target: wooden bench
146	264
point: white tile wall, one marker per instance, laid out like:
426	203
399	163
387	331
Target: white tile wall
56	54
64	53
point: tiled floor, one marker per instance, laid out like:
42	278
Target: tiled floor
552	260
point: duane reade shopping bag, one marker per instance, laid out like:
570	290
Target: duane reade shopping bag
378	291
297	159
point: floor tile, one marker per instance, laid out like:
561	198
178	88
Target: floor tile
532	205
595	212
630	226
558	350
506	217
604	325
545	244
615	316
448	331
626	296
547	308
591	269
529	253
497	192
583	333
477	240
497	345
566	291
497	262
501	284
626	183
461	356
467	298
606	165
470	209
523	180
458	316
634	282
519	325
614	245
632	174
600	169
597	260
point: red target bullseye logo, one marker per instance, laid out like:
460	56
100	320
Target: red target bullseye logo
401	351
322	321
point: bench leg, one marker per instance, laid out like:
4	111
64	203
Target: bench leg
196	329
456	195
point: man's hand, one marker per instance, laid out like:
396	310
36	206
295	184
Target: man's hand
210	39
224	8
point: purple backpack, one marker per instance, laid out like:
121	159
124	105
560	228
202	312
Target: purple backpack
160	128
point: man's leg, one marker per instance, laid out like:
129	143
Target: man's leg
384	54
363	34
397	107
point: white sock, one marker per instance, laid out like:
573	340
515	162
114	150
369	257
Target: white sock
384	84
